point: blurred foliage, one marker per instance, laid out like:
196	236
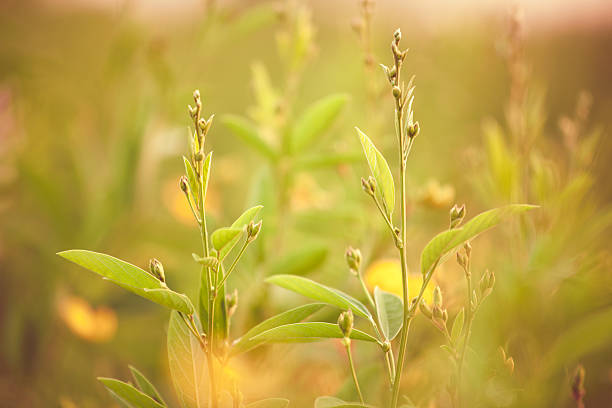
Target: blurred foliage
91	124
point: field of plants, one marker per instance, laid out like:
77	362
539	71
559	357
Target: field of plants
294	203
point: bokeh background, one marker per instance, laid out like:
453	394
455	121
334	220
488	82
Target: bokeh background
514	103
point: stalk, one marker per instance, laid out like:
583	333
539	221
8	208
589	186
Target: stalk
347	346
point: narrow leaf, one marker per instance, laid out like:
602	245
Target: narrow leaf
381	172
249	134
129	277
309	331
206	175
187	363
224	239
333	402
301	261
146	386
269	403
321	293
317	118
390	311
457	326
129	393
192	179
447	241
245	343
246	217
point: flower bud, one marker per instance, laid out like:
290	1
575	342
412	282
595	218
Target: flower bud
345	322
184	184
157	269
462	260
353	259
413	130
445	315
386	346
487	281
231	302
456	215
425	309
369	186
397	35
436	312
396	91
253	230
437	296
196	96
202	123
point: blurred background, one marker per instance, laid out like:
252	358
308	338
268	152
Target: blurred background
515	105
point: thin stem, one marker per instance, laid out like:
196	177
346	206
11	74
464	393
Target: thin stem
191	326
468	330
233	265
347	345
365	290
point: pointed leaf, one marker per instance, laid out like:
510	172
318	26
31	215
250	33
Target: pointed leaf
192	179
457	326
269	403
249	134
224	239
308	332
317	118
301	261
206	175
445	242
381	172
129	277
390	311
322	293
246	217
245	343
146	386
129	393
187	363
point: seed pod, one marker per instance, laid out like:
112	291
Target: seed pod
157	269
456	215
353	259
345	322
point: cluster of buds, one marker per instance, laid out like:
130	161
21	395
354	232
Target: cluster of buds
456	216
435	312
353	260
345	322
157	269
253	230
202	125
369	186
487	281
507	361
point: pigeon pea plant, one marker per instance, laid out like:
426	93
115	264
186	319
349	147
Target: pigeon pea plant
389	315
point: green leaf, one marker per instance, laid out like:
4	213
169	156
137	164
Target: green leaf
457	326
447	241
247	216
187	363
381	172
317	118
269	403
192	179
333	402
129	393
249	134
206	174
146	386
308	332
301	261
224	239
390	311
245	343
129	277
322	293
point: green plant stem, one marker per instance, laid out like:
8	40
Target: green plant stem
233	265
468	332
347	346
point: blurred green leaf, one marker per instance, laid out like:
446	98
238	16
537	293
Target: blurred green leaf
249	134
187	362
129	393
193	181
457	326
317	118
381	172
324	160
146	386
445	242
246	217
300	261
269	403
224	239
245	343
390	311
322	293
333	402
307	332
206	175
129	277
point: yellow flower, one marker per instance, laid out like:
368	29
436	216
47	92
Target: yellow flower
387	275
437	196
91	324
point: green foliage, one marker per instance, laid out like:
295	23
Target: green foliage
300	261
308	332
389	309
129	394
315	120
146	386
269	403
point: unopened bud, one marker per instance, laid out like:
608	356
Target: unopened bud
253	230
202	123
353	259
462	259
192	110
196	96
486	284
413	130
397	35
456	215
468	249
369	186
345	322
436	312
157	269
437	296
445	315
396	91
231	302
425	309
386	346
184	184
